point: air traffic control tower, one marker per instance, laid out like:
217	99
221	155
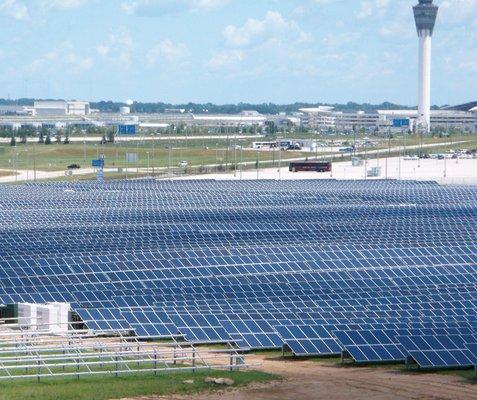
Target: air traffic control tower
425	14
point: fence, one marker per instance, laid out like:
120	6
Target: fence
40	354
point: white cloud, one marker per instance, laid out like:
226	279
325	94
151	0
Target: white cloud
341	39
455	11
63	56
151	8
69	3
469	65
14	9
226	59
369	8
272	27
27	10
102	50
209	4
166	50
272	44
117	47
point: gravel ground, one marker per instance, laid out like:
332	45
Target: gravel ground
311	380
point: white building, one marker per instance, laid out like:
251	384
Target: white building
327	118
318	117
78	108
61	107
229	120
439	119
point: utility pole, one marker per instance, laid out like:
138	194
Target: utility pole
389	151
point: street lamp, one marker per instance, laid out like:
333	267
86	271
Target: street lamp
148	163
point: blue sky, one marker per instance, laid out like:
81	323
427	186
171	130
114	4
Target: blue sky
232	50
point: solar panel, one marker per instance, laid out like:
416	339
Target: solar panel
252	261
309	340
439	351
104	319
252	333
150	324
200	328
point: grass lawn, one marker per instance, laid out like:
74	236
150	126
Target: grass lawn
56	157
102	388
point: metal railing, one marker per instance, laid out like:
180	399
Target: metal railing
33	354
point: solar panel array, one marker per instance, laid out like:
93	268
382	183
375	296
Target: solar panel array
383	270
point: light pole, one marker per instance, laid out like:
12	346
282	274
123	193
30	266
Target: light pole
34	162
316	145
148	163
241	161
365	160
153	152
170	161
27	161
400	156
235	155
419	132
332	157
389	151
445	165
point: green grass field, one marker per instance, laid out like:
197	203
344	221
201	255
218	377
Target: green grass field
57	157
165	154
102	388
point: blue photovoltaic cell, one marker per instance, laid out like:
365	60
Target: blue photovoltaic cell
438	351
319	266
150	323
309	340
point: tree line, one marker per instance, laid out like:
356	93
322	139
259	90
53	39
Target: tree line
201	108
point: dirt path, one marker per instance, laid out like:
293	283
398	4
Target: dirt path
309	380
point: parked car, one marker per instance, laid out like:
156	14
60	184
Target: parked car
183	164
74	166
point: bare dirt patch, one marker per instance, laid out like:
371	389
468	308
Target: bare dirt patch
311	380
6	173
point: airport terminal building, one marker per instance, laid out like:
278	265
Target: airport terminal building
324	118
463	117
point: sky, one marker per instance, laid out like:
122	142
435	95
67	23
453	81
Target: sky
229	51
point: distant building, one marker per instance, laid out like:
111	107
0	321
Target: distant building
440	119
78	108
174	111
318	117
327	118
229	120
16	110
46	108
250	113
61	107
